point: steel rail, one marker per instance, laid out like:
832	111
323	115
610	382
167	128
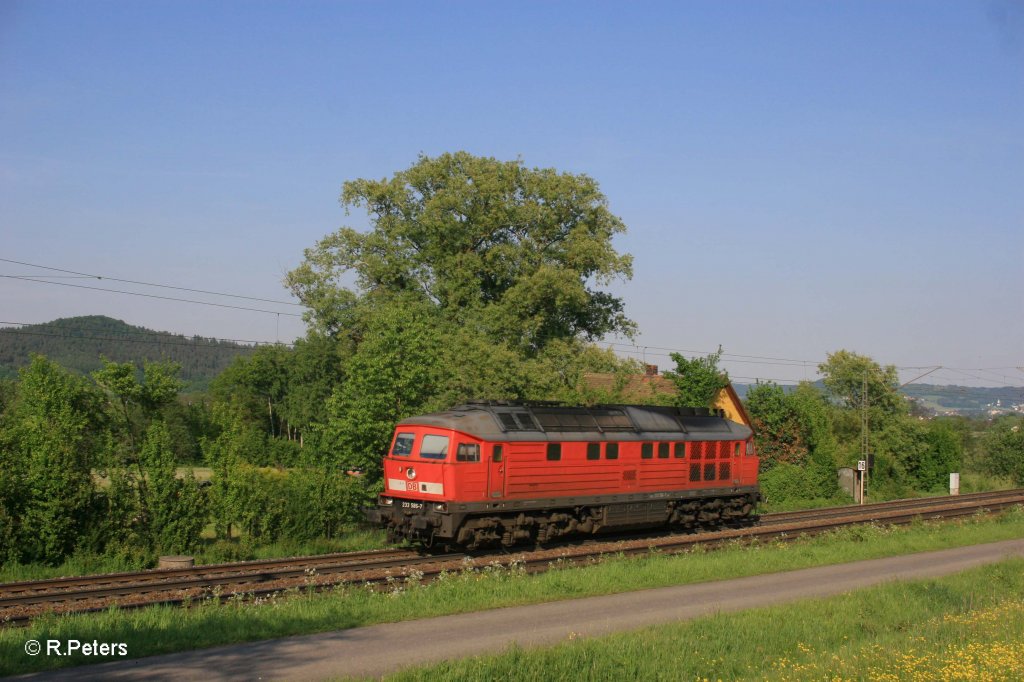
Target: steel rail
164	575
782	517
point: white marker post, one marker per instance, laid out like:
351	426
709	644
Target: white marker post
954	484
862	466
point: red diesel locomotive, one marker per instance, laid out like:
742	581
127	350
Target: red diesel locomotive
500	474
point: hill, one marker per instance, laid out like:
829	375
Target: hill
81	343
967	400
971	401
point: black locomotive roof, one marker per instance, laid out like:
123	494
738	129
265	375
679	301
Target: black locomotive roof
538	421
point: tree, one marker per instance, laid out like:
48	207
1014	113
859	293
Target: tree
510	251
174	509
1004	443
316	367
697	380
48	444
476	279
942	456
396	372
137	402
237	442
793	434
258	383
844	373
778	433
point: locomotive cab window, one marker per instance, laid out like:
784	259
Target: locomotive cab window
434	447
647	450
554	451
736	450
403	444
593	451
611	451
467	452
662	450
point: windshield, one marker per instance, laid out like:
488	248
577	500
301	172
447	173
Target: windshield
434	447
403	444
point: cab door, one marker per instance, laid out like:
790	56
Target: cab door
496	471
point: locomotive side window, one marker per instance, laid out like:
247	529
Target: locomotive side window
496	454
647	450
680	450
434	447
593	451
403	444
736	450
662	450
467	452
554	452
611	451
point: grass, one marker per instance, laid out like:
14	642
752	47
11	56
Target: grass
166	629
964	627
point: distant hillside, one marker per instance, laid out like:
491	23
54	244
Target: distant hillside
967	400
80	343
943	400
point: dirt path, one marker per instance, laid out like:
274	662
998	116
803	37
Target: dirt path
379	649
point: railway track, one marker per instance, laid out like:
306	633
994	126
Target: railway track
22	601
921	503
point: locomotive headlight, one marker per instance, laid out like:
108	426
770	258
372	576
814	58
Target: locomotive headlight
386	501
410	473
441	506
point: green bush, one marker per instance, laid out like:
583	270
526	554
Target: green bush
48	445
787	485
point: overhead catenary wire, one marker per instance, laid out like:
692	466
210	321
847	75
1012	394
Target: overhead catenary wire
147	284
165	298
623	348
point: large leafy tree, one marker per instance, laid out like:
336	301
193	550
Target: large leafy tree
477	278
514	252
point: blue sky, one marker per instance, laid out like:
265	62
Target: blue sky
797	177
